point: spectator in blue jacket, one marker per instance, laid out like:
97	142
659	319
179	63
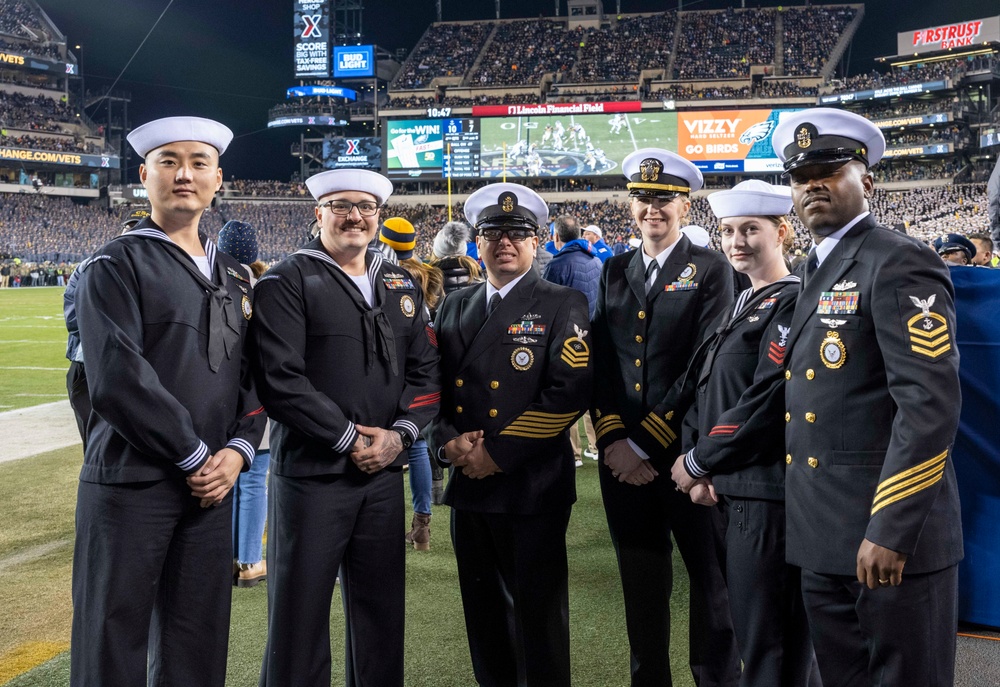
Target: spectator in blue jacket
595	237
574	265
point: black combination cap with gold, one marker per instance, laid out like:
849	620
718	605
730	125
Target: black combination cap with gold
660	173
826	136
506	205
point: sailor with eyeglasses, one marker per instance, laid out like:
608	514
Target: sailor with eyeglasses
347	364
516	375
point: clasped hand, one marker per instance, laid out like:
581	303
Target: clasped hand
468	452
375	448
627	465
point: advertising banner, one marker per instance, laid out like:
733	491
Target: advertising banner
910	151
959	35
353	61
306	120
364	152
554	109
989	138
312	53
723	141
414	147
314	91
911	120
18	60
888	92
54	157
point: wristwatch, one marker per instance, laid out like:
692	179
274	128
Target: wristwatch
404	437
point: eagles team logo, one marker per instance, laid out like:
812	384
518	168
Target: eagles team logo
803	137
757	132
407	306
650	169
522	358
246	307
832	351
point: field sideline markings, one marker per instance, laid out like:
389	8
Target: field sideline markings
24	367
34	341
28	656
32	554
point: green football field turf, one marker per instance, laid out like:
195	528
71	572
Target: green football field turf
32	347
36	555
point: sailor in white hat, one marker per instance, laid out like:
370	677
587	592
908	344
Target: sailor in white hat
872	401
516	368
347	354
738	443
654	306
163	321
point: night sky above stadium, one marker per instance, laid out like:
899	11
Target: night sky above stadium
232	60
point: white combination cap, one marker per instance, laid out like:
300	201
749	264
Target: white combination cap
506	204
654	171
826	136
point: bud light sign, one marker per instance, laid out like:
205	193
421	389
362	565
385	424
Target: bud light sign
351	61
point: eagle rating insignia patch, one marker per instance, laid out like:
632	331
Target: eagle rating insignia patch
246	307
407	306
776	349
928	330
575	351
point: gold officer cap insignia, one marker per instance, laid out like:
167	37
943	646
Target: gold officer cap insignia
650	168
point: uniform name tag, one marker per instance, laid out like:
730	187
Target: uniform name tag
526	327
681	286
838	303
397	283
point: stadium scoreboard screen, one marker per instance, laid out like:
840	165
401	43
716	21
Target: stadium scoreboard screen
575	145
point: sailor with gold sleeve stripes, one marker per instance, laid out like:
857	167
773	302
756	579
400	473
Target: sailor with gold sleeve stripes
516	374
873	400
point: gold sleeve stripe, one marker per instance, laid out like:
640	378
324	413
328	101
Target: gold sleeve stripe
926	341
539	414
928	352
532	433
907	483
663	426
535	425
927	464
607	418
933	479
607	427
657	432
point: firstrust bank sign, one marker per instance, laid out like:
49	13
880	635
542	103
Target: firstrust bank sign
959	35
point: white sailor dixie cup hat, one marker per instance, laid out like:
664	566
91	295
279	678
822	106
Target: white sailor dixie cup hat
160	132
826	136
506	204
752	198
658	172
335	180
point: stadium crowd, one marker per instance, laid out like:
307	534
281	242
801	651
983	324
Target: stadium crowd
646	40
44	229
47	50
724	44
445	50
19	19
522	51
37	113
809	35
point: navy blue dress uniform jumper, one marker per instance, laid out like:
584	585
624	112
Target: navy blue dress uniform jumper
523	376
642	346
326	360
873	402
734	434
170	385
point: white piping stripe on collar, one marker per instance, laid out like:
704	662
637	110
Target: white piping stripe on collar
210	249
372	271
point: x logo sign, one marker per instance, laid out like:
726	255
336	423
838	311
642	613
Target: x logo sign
312	26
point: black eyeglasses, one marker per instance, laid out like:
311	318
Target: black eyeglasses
366	208
513	235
